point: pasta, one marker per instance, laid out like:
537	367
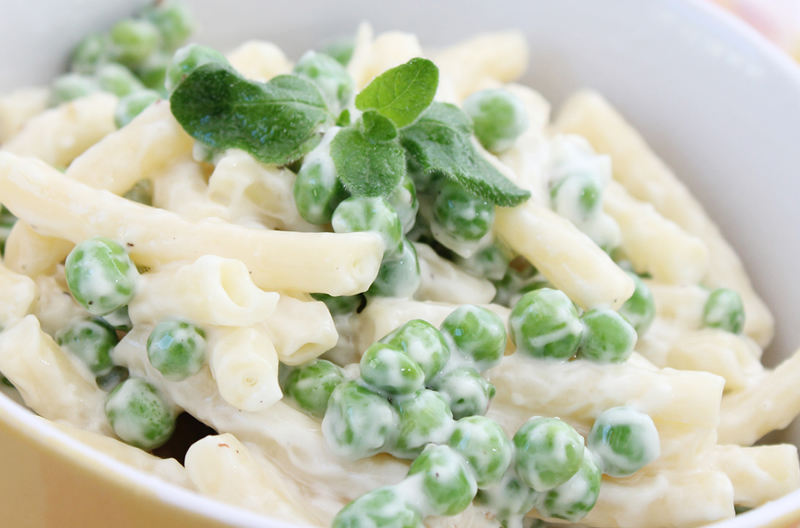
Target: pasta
36	188
382	280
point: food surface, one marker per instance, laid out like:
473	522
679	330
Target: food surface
399	293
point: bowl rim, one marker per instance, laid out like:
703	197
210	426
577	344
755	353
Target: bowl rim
774	514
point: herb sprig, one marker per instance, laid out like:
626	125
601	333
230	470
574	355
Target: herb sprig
282	120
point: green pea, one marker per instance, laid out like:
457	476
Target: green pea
70	87
90	53
373	215
548	452
466	393
478	334
358	422
625	440
578	197
118	80
177	349
404	201
153	72
141	193
398	275
576	497
332	79
640	309
311	385
724	310
490	262
317	190
545	324
340	49
91	340
423	343
498	116
485	447
187	59
445	480
379	508
132	105
424	418
174	22
390	370
139	414
510	500
459	215
108	381
100	275
607	337
7	221
133	41
343	305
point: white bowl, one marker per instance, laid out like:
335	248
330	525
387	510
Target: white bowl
718	102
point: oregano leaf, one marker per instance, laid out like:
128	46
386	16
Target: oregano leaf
276	122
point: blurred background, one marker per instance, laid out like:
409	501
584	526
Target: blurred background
778	20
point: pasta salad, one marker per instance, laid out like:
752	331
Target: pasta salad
393	290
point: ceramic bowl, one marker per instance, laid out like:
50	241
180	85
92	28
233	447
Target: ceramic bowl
715	100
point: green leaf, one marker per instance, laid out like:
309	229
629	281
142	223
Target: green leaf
440	141
344	118
277	122
368	157
402	93
377	127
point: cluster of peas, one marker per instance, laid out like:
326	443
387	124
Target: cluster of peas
455	218
413	384
420	396
102	278
130	61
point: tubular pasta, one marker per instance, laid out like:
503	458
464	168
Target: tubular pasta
670	498
758	474
292	441
647	178
148	143
244	364
653	243
220	466
17	296
210	291
50	382
32	254
251	190
443	281
19	106
301	330
167	469
762	407
501	56
259	61
564	255
59	135
277	260
55	307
